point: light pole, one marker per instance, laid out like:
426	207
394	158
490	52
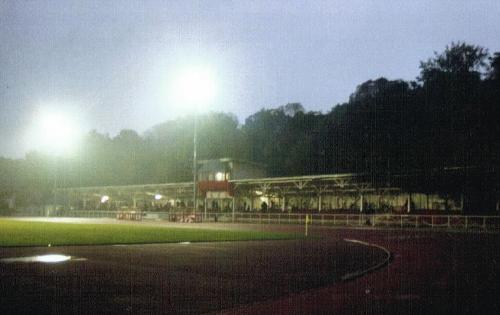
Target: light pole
195	166
195	87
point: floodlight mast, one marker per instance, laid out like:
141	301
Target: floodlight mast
55	131
55	187
195	164
196	86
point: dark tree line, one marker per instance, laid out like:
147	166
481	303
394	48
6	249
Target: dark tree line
447	118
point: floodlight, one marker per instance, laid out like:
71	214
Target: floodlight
54	131
104	199
195	85
158	197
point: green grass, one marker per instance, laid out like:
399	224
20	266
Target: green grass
24	233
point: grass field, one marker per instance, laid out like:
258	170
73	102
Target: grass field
25	233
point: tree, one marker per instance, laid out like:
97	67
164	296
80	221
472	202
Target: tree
129	147
458	59
291	109
495	67
265	137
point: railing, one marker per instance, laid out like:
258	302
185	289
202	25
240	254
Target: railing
178	216
490	223
87	214
460	222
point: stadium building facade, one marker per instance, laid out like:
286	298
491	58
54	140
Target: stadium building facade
230	185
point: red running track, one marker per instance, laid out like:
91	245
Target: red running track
430	273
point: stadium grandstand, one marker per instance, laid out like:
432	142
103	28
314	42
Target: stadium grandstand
229	185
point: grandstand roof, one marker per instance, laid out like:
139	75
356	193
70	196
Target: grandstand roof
312	184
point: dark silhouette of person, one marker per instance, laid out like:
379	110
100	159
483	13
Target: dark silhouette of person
263	206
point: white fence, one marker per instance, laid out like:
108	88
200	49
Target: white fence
366	220
456	222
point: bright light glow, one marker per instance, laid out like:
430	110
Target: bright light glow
219	176
52	258
195	86
104	199
258	193
54	131
158	197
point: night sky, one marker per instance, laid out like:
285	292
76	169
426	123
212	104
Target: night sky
110	63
